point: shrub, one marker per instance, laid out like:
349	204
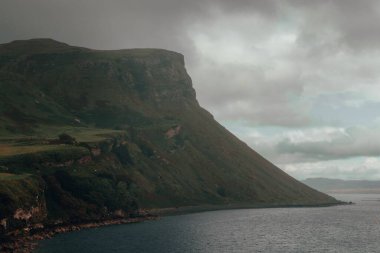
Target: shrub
66	139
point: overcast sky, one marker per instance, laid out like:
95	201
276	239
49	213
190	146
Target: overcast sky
297	80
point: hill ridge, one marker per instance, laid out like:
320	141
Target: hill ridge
105	133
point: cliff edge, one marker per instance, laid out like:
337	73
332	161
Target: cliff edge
95	134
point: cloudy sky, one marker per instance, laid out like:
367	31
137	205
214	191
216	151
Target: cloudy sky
297	80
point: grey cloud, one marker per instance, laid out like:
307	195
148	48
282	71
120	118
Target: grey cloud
266	63
359	21
163	23
356	142
340	169
113	24
287	146
239	92
252	91
98	24
355	23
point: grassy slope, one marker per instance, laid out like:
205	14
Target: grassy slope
49	88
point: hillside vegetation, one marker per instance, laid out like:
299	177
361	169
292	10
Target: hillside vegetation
89	134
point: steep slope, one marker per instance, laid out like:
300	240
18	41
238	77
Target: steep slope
140	135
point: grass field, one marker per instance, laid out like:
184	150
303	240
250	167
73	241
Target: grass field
10	176
11	150
12	145
81	134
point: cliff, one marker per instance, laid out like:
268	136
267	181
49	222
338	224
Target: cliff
136	138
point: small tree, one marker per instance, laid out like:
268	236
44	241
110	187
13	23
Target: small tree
66	139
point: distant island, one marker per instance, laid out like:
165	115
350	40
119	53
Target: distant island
103	136
328	185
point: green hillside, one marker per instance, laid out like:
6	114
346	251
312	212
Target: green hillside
135	137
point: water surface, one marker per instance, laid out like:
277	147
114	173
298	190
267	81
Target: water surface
354	228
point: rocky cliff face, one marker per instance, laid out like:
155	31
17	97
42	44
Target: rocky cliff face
41	190
22	203
143	141
78	85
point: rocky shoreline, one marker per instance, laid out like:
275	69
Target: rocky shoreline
25	241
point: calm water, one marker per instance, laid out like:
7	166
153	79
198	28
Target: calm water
354	228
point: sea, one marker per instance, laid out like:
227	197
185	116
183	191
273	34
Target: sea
347	228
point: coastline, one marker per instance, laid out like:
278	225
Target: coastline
207	208
26	241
